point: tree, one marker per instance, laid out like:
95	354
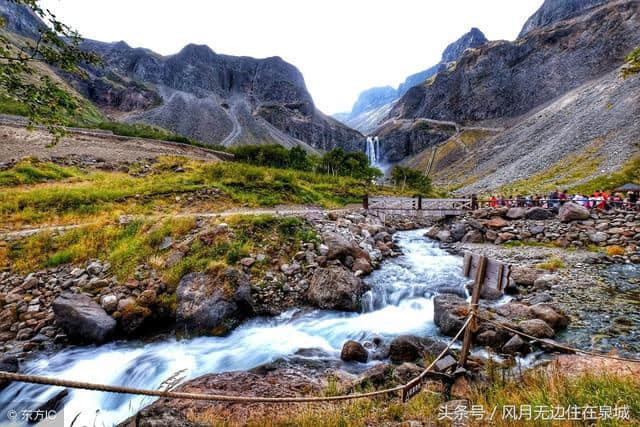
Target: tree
633	63
411	178
57	45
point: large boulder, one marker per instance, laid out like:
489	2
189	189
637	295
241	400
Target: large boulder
340	247
407	348
449	313
537	328
353	351
572	211
213	304
335	288
515	345
516	213
82	319
497	223
538	213
458	231
557	320
473	236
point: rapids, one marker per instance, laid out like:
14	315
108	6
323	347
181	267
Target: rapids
400	301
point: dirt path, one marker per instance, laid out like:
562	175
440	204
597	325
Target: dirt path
18	142
278	210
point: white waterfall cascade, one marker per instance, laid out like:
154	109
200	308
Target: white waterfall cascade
373	150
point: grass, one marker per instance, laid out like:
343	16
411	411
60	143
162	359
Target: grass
543	388
277	238
630	172
67	195
138	242
563	174
33	171
553	264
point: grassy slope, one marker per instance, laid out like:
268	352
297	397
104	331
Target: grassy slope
540	388
56	194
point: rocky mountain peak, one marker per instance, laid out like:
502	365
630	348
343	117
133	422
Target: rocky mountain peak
472	39
553	11
20	20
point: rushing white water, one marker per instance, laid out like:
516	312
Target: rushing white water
399	302
373	150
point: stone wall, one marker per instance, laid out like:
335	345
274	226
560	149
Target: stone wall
573	226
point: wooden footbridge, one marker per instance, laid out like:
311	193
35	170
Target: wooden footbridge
385	207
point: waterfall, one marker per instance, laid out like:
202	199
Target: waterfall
373	150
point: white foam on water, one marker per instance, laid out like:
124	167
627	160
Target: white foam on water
400	302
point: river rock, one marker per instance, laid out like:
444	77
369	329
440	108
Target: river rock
109	303
335	288
537	328
545	281
552	317
82	319
444	236
516	213
537	214
598	237
473	236
525	276
449	312
407	348
458	231
572	211
213	304
340	248
497	223
515	345
377	376
94	268
353	351
362	264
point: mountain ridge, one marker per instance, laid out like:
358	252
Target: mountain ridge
375	103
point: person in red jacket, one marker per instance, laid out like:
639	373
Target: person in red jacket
494	202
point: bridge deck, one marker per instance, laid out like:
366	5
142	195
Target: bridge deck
416	206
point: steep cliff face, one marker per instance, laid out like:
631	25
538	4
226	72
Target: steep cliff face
553	11
20	20
374	104
508	79
201	94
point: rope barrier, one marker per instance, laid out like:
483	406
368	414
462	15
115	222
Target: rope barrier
37	379
561	346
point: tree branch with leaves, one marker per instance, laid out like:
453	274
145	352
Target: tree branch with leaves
57	45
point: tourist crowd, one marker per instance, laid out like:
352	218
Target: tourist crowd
597	200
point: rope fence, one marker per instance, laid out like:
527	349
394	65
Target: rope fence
37	379
408	389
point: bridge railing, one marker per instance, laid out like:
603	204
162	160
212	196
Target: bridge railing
417	204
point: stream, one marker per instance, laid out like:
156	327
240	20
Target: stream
400	302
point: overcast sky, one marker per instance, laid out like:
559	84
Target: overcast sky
341	46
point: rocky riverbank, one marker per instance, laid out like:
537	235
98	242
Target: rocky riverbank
613	236
55	307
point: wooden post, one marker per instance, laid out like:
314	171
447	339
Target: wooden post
419	202
365	201
475	297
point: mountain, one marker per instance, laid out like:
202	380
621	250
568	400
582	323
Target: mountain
204	95
374	104
20	20
502	80
553	11
549	109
